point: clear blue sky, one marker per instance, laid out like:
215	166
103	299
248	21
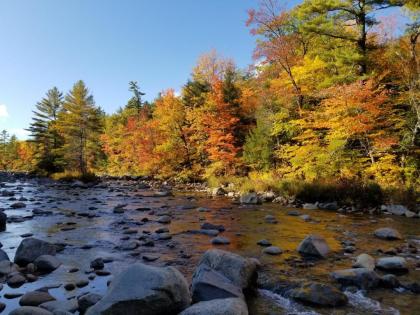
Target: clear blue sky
106	43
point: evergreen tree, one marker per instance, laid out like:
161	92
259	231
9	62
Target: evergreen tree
44	132
80	124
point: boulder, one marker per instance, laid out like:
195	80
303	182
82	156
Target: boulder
395	209
365	261
18	205
46	263
387	234
31	248
320	294
220	241
390	281
241	271
3	255
210	226
314	246
88	300
15	280
230	306
397	264
210	285
219	191
153	290
362	278
250	199
35	298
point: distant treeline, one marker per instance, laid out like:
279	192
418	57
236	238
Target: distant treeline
334	96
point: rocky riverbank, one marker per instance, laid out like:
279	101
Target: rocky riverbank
120	246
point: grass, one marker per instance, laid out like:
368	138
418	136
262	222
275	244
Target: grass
345	192
74	175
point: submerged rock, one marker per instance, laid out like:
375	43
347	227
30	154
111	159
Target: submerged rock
314	246
35	298
272	250
315	293
387	234
153	290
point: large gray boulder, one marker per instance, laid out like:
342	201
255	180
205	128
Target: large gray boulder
31	248
241	271
320	294
231	306
210	285
314	246
387	234
221	275
359	277
144	290
395	209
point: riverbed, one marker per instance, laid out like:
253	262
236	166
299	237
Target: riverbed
83	221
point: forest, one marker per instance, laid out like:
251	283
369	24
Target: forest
331	102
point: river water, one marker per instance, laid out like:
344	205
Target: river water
84	220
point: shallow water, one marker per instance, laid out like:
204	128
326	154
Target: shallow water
245	225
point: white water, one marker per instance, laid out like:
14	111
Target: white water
357	301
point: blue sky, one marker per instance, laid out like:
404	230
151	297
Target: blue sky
107	43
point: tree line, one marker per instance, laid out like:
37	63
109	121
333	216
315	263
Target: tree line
333	96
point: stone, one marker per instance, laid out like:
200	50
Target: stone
16	280
305	217
69	306
388	234
314	246
241	271
218	191
30	310
165	219
153	290
390	281
229	306
3	255
264	243
97	263
364	261
250	198
220	241
328	206
310	206
46	263
397	264
395	209
88	300
209	285
3	221
35	298
7	267
272	250
270	219
30	249
18	205
362	278
210	226
320	294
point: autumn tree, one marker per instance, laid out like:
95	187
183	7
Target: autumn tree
80	125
